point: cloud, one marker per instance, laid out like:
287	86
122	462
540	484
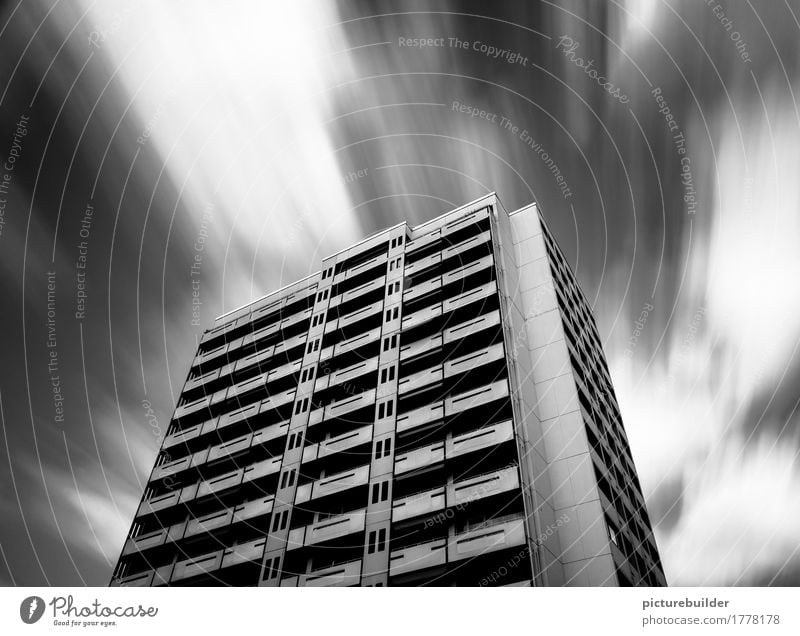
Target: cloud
721	474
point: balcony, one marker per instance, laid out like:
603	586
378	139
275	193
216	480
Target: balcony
431	285
267	331
423	263
474	295
380	259
489	538
200	565
452	367
345	375
456	494
239	476
474	360
418	505
476	397
418	557
456	446
333	484
479	487
350	344
419	417
210	486
366	288
340	408
343	575
261	436
420	380
338	444
479	439
354	317
419	458
420	347
244	552
422	316
200	525
475	325
159	576
154	539
327	529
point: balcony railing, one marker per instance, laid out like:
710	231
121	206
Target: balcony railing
373	285
418	557
466	545
199	525
342	407
489	538
338	444
201	489
350	344
343	575
456	446
344	375
332	484
353	317
327	529
456	494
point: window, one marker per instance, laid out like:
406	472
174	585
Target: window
371	544
380	491
386	409
279	521
312	346
392	314
323	295
287	479
318	319
271	568
381	540
383	448
393	288
390	342
301	406
387	375
326	273
307	374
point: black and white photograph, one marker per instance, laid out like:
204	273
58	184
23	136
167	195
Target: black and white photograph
425	294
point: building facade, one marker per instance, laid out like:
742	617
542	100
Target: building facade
432	408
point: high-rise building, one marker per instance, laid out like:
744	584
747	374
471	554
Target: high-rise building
432	408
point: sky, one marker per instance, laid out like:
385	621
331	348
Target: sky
661	141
